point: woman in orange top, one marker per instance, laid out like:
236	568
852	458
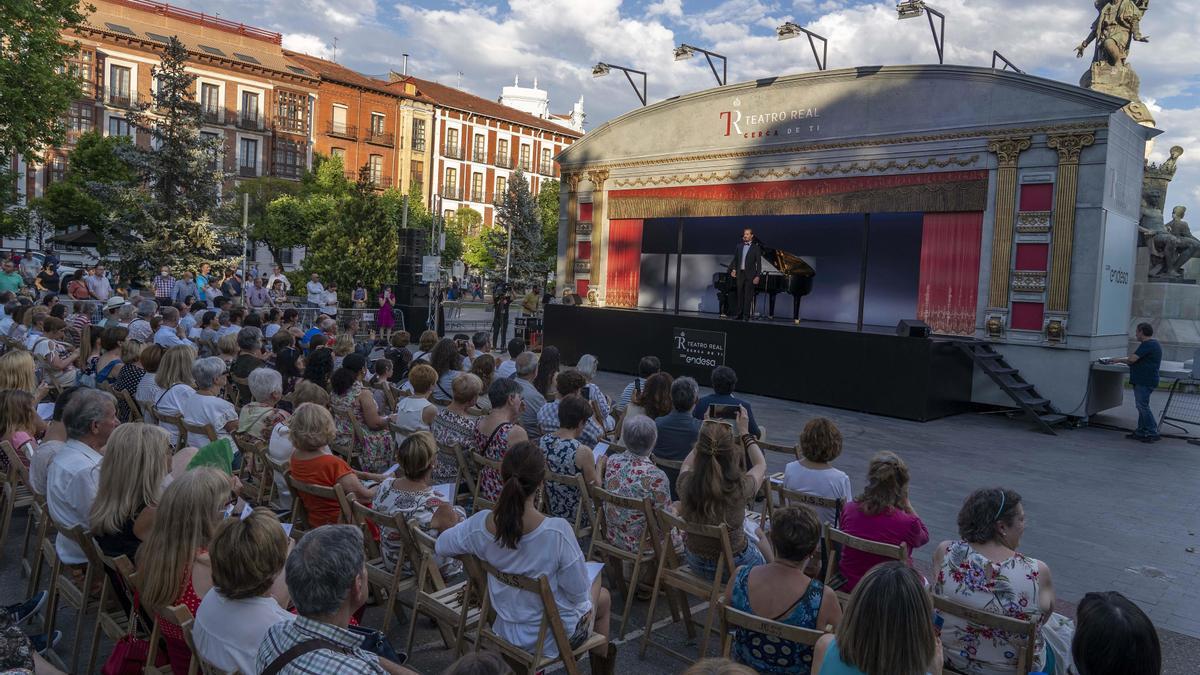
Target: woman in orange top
311	430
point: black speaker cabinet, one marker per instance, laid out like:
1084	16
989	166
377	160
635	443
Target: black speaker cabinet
912	328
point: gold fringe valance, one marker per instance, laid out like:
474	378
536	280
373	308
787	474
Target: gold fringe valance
968	195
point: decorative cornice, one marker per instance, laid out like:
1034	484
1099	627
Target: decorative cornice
1070	145
1009	149
1033	222
863	143
800	172
597	177
1024	281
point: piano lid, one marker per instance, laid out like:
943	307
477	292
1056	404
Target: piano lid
784	262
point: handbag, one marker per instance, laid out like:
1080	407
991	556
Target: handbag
129	654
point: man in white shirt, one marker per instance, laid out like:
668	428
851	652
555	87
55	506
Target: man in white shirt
278	275
6	323
168	332
508	367
316	291
98	284
74	474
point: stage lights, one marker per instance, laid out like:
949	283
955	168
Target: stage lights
601	69
685	51
791	30
911	9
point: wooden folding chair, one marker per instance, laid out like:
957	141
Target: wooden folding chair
205	430
551	624
392	581
772	631
279	496
835	543
582	519
601	550
676	576
483	462
255	473
1021	634
335	494
788	496
181	616
465	473
177	422
235	390
111	616
15	494
667	464
347	450
135	412
79	597
149	414
449	606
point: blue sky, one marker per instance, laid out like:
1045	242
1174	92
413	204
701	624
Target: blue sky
481	45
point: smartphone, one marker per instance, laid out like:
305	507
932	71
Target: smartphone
723	411
586	394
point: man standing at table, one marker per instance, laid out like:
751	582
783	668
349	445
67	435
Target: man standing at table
1143	375
746	268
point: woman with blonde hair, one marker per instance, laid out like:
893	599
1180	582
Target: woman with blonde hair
227	348
484	367
279	447
714	490
415	412
410	494
19	424
343	346
17	372
425	344
883	513
886	629
311	430
131	479
175	384
454	424
173	562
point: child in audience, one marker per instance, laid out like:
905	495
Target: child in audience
813	473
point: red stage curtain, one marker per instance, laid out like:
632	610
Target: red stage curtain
624	263
950	271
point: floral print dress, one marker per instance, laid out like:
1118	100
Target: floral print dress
417	508
493	447
377	447
629	475
451	428
560	458
1008	588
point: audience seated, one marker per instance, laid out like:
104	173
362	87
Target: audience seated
287	359
781	591
378	379
227	347
130	375
53	441
19	425
173	563
571	383
410	494
647	366
887	627
350	400
567	454
108	362
318	367
425	344
207	406
525	370
397	352
548	365
251	355
343	345
632	474
136	463
678	430
74	473
58	356
497	432
813	473
655	398
587	366
17	371
415	412
454	425
517	538
484	367
1113	636
258	417
447	361
713	489
724	379
881	512
508	367
983	570
280	448
174	385
249	593
311	430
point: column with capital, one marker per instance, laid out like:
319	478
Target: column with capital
1007	151
599	229
1062	223
567	273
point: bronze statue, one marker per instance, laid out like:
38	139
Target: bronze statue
1186	245
1116	26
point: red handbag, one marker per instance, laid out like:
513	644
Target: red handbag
128	656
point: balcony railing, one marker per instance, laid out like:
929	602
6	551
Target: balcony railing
212	115
480	155
477	195
381	138
503	160
123	99
546	168
292	171
453	151
247	171
525	165
341	130
291	125
452	192
249	121
379	181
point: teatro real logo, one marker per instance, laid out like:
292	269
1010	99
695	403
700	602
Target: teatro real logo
768	123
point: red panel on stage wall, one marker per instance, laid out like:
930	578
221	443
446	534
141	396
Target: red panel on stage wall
624	263
949	280
584	251
585	212
1032	257
581	286
1027	316
1037	197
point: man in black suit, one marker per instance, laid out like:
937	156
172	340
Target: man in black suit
746	268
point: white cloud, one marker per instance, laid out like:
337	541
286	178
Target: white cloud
671	8
306	43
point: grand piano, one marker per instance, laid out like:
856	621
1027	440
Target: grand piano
790	274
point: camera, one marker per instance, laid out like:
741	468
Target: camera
719	411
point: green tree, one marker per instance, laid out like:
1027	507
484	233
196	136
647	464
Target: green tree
358	243
171	213
274	233
36	90
460	227
548	206
517	214
14	218
95	164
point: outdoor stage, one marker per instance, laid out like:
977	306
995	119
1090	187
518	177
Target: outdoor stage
911	378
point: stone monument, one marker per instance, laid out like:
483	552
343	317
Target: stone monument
1117	26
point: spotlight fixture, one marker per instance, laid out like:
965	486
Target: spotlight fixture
685	51
1007	65
601	69
791	30
911	9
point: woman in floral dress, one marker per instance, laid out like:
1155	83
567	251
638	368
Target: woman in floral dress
377	446
632	474
498	432
411	495
984	571
453	425
566	455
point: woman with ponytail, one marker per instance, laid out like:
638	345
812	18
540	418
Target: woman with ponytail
516	538
883	513
714	489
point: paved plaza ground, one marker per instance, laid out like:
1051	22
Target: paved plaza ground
1103	512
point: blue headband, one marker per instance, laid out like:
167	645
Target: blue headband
1000	510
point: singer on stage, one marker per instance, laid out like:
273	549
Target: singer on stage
746	268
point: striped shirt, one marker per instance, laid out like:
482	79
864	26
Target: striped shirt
287	634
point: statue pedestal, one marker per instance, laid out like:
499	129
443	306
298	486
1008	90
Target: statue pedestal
1171	305
1171	280
1122	82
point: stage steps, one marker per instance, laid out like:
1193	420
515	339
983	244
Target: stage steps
1009	379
